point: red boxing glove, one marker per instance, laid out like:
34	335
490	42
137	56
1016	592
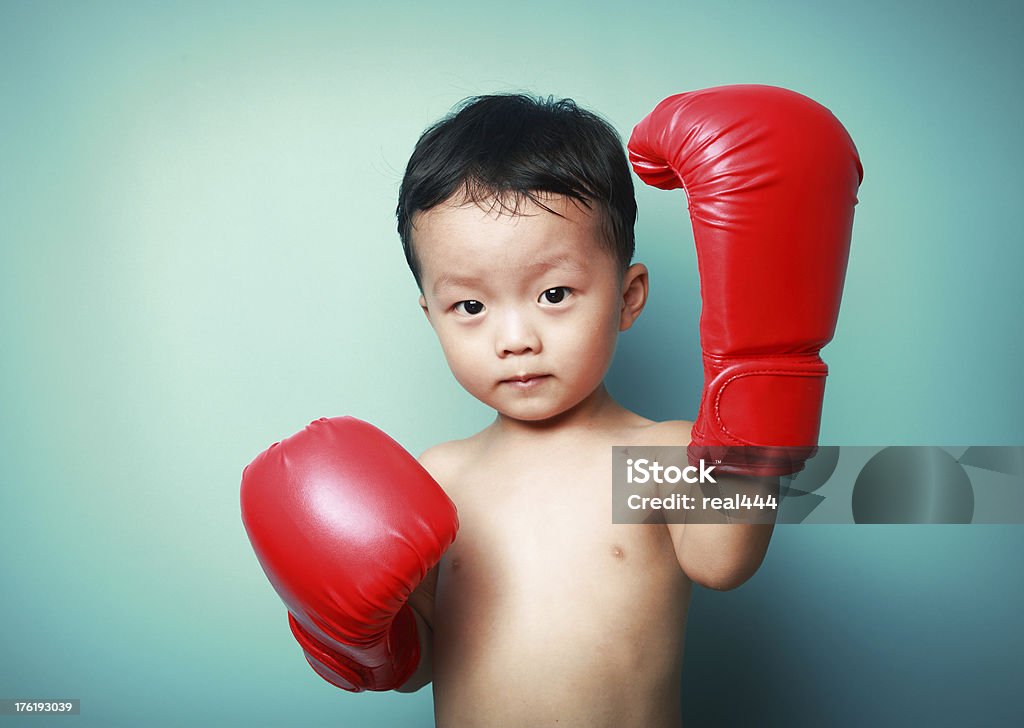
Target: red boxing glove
771	178
345	524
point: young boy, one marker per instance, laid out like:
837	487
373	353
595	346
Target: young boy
517	220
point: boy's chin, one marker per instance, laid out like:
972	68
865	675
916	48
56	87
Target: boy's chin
529	416
534	412
524	411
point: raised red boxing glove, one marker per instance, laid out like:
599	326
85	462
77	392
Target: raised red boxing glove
345	524
771	180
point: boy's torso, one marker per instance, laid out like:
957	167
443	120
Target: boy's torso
546	612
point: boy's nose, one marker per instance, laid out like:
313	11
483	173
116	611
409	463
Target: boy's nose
515	335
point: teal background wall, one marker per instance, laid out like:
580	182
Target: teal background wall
198	256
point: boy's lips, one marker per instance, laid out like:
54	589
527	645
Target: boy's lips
525	380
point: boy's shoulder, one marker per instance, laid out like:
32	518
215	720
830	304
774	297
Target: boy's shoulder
669	432
445	459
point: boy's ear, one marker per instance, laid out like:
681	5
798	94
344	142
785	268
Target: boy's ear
635	283
426	311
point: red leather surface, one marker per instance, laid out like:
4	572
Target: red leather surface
771	181
345	524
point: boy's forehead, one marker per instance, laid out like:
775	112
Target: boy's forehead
462	236
560	226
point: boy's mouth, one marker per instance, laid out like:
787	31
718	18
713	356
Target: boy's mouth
525	380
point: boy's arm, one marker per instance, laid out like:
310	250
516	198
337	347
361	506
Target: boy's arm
723	555
771	180
437	461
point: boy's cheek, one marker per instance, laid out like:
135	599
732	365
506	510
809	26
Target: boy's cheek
457	351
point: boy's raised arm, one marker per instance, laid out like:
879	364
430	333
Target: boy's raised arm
725	548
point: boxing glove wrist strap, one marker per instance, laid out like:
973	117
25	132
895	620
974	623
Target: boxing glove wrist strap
760	414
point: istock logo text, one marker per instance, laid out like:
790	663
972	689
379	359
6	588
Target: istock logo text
643	470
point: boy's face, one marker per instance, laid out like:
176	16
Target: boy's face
527	307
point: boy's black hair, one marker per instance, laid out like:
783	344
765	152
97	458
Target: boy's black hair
506	148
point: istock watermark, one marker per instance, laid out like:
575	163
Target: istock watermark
825	485
643	470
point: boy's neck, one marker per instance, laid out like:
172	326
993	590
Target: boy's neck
596	410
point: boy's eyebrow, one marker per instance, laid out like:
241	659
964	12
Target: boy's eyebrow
447	279
567	262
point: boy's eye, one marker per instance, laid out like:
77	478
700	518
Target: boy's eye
471	308
555	295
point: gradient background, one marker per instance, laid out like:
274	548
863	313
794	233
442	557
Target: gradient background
198	256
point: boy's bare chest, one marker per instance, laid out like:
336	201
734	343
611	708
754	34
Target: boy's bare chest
548	517
538	571
538	490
